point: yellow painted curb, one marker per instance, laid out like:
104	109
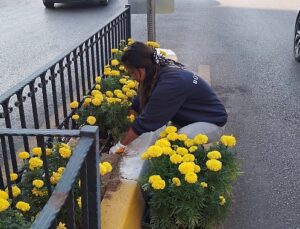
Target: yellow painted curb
124	208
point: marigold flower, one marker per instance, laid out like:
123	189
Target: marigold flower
203	184
172	136
48	151
214	165
153	44
191	178
37	151
15	190
182	137
153	178
75	117
38	192
222	200
193	149
154	151
182	151
186	167
163	134
24	155
103	169
61	226
163	143
123	81
228	140
189	142
54	179
107	72
65	152
96	102
13	176
188	158
122	68
214	155
38	183
4	204
98	79
114	50
79	201
130	84
200	139
87	101
74	104
115	73
35	162
98	87
3	195
197	168
109	94
158	184
176	181
108	166
61	170
114	62
176	158
131	118
170	129
145	156
167	150
91	120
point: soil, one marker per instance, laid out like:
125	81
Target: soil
110	181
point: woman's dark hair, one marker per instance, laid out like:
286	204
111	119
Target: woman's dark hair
139	55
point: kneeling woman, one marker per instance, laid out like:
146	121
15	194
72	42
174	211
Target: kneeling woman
168	92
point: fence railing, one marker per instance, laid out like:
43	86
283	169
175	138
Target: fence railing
41	100
84	163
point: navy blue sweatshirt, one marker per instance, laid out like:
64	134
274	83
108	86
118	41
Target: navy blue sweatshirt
179	96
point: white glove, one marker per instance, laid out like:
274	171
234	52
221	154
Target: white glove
117	148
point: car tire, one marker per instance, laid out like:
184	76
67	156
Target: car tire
297	39
48	5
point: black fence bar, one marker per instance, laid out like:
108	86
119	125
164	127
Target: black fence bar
71	211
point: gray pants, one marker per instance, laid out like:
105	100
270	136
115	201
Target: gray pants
212	131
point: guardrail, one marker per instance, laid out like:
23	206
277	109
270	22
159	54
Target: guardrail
41	100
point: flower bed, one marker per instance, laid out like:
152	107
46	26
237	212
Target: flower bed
188	185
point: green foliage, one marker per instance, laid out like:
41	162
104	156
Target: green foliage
13	219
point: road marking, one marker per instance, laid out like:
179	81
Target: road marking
204	73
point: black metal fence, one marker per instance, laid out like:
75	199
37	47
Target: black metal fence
42	99
83	163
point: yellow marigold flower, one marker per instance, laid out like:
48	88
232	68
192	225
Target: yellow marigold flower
54	179
74	104
38	192
176	181
188	158
75	117
98	79
222	200
158	184
37	151
13	176
186	167
182	151
107	72
123	81
95	92
191	178
65	152
35	162
192	149
79	201
114	62
132	91
98	87
125	88
214	155
167	150
48	151
108	166
200	139
203	185
145	156
91	120
38	183
176	159
4	204
131	118
129	94
117	91
153	44
153	178
15	190
96	102
115	73
130	84
182	137
122	68
87	101
3	195
154	151
172	136
228	140
189	142
61	170
114	50
109	94
214	165
171	129
102	169
163	134
120	95
197	168
163	143
61	226
24	155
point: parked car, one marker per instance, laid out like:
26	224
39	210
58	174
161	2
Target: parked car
50	3
297	38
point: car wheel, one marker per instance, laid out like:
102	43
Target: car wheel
49	5
297	39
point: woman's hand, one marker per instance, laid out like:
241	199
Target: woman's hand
117	148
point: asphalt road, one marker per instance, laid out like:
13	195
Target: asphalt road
248	47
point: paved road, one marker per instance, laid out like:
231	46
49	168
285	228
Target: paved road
248	46
31	36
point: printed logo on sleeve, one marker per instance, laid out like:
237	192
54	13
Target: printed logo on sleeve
195	79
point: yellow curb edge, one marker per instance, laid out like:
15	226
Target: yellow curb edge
123	209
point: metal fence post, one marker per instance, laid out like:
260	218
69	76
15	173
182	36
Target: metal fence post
151	20
128	25
93	176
